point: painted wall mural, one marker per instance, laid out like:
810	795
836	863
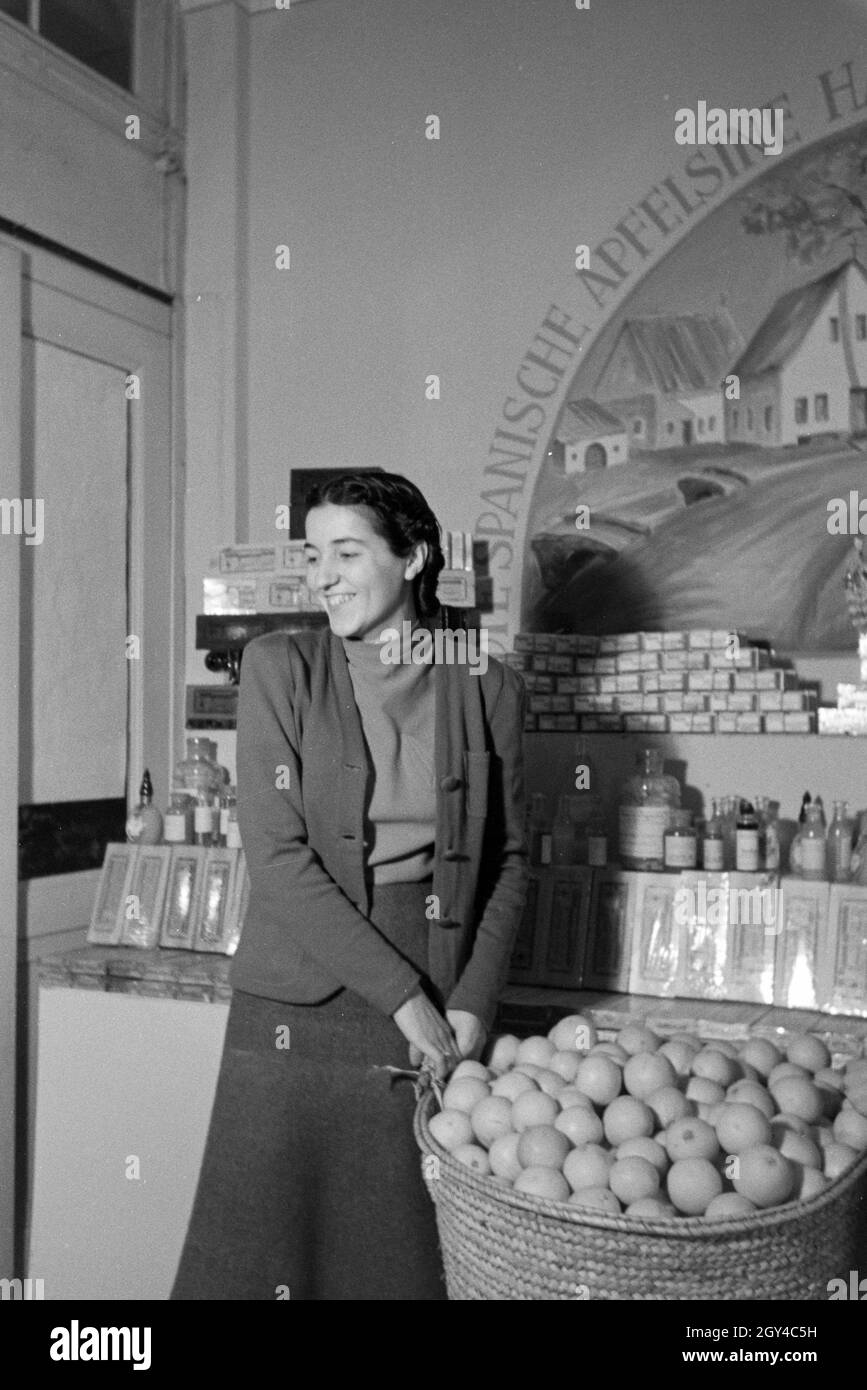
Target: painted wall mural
670	497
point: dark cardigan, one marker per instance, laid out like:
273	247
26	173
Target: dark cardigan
302	784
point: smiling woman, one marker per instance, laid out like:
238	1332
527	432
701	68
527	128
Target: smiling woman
381	806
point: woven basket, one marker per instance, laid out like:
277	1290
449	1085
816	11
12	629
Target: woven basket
499	1244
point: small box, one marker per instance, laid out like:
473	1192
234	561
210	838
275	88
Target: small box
284	593
795	700
608	645
745	680
565	723
543	642
211	923
455	555
629	704
651	641
650	661
608	685
602	723
674	660
518	661
724	637
547	723
650	682
749	723
700	680
588	685
248	559
608	957
847	933
725	723
694	702
629	661
673	641
742	701
524	642
771	700
585	704
540	662
697	661
604	666
561	665
586	644
114	887
627	683
672	702
656	937
700	723
802	976
565	643
717	701
775	678
651	704
182	896
147	890
646	723
456	588
292	559
699	637
680	723
531	723
722	680
228	596
540	704
672	680
541	684
560	704
799	723
774	722
567	685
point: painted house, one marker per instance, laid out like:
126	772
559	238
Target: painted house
588	437
664	376
804	371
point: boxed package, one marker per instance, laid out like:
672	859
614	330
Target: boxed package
847	949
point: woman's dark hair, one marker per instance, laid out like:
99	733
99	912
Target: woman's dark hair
399	514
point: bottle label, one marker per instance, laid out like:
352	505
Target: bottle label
204	819
642	830
233	835
224	821
812	854
597	851
747	851
175	830
713	855
680	852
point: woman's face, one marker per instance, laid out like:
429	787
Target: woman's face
361	584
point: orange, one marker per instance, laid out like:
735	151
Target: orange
550	1082
647	1148
565	1064
543	1146
669	1104
491	1118
636	1038
761	1054
856	1071
740	1126
528	1069
801	1150
534	1108
812	1181
766	1176
465	1093
579	1125
838	1157
630	1179
729	1204
469	1068
512	1084
588	1166
576	1033
646	1072
857	1098
808	1051
714	1065
599	1078
572	1097
830	1076
474	1157
798	1096
650	1209
680	1054
611	1049
692	1185
504	1053
691	1138
537	1050
704	1091
542	1182
598	1198
627	1118
850	1127
752	1093
782	1122
786	1069
451	1128
503	1156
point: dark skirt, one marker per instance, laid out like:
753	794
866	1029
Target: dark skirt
311	1184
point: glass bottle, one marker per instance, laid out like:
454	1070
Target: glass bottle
646	805
679	842
200	776
713	844
178	820
821	807
761	807
597	843
772	852
227	801
859	854
539	829
839	844
805	802
144	825
564	838
808	848
233	831
747	839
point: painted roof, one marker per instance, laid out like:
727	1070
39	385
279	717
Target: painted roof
783	330
681	352
583	418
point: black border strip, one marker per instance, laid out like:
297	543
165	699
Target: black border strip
22	233
65	837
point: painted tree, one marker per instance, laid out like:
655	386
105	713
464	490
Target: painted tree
819	201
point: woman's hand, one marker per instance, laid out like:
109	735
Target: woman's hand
428	1034
470	1032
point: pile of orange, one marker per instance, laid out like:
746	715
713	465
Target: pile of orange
653	1128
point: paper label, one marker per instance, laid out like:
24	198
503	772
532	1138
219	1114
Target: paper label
642	831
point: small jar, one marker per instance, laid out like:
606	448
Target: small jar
178	820
597	844
647	804
747	858
680	843
233	830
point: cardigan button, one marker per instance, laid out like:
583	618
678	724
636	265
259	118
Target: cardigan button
452	854
451	784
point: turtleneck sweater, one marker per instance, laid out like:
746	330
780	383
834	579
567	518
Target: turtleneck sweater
396	704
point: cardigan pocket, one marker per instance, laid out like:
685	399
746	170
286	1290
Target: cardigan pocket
477	768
